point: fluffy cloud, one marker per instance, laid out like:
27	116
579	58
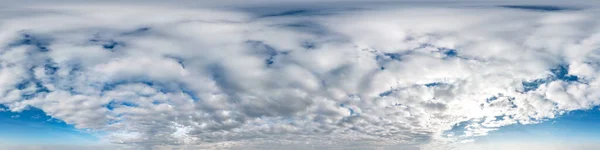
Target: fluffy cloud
164	77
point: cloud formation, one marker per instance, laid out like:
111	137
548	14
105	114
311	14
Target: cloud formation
428	77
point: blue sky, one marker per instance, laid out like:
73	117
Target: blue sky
574	130
575	126
33	127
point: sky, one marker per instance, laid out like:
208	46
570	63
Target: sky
408	75
33	126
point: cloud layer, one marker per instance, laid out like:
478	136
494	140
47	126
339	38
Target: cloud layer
428	77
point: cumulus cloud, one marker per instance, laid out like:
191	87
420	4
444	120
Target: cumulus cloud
429	77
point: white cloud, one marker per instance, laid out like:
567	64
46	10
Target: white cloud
162	77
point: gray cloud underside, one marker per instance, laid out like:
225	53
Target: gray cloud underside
164	77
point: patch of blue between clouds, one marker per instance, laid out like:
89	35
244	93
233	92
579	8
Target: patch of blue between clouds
309	45
262	48
429	85
294	12
113	104
33	126
458	129
137	31
394	56
111	44
179	60
50	67
288	13
39	42
108	44
576	125
161	87
39	88
307	27
113	85
350	110
579	126
380	61
34	83
433	84
449	52
491	99
543	8
561	72
386	93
